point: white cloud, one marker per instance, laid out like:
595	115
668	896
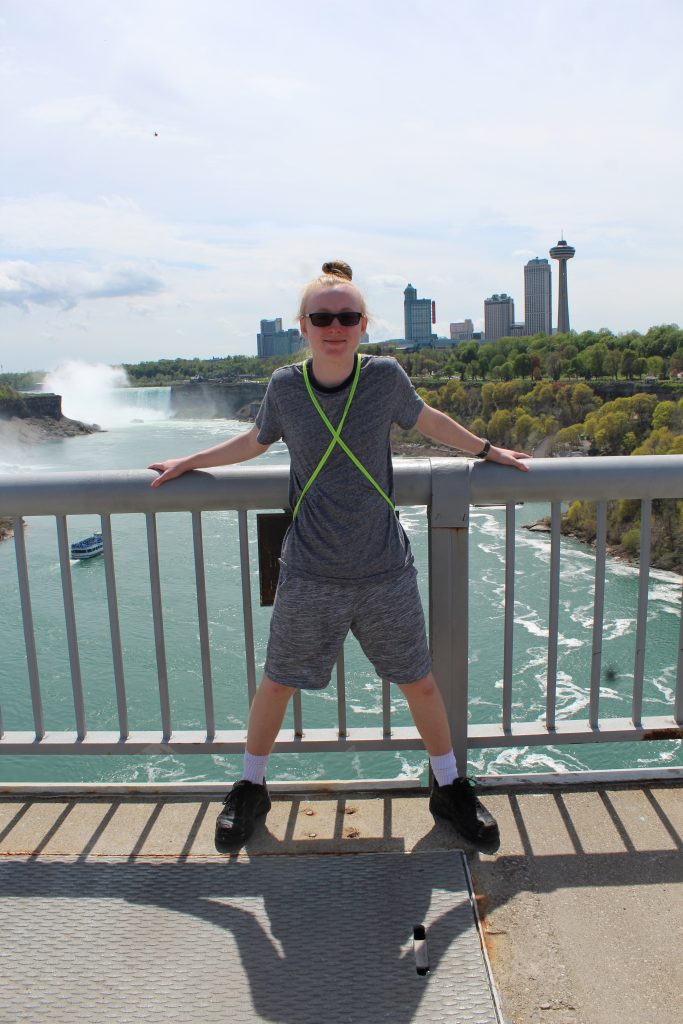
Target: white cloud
384	135
389	281
24	284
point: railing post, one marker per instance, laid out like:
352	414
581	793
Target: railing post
448	517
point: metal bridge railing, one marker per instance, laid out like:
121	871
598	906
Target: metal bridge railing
448	488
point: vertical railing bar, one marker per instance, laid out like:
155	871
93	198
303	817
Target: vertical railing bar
641	622
386	707
158	619
678	706
449	627
298	714
70	619
341	694
29	631
114	625
203	619
598	612
553	613
246	605
509	614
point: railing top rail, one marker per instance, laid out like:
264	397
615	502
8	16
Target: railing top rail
254	487
233	487
597	478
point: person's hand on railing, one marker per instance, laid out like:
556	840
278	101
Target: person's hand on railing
507	457
169	470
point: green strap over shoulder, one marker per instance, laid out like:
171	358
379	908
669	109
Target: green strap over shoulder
336	438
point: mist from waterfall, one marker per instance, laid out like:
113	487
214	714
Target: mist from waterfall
97	393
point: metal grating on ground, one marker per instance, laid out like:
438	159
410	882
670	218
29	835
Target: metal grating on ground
297	940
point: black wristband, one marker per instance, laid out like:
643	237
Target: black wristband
485	450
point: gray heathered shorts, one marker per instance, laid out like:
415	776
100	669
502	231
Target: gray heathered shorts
311	618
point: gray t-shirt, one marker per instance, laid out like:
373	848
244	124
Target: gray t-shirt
344	529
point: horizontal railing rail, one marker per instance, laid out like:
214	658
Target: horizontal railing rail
448	488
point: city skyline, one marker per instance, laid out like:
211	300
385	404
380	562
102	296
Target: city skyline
158	200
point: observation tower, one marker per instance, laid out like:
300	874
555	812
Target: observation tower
562	252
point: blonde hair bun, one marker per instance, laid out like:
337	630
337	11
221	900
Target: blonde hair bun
336	274
338	268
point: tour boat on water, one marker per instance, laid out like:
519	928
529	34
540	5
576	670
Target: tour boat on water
88	547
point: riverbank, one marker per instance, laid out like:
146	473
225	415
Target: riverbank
407	450
6	529
614	550
34	429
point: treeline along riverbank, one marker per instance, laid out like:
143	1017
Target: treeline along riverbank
563	418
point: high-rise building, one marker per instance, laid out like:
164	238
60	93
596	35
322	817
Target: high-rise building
537	297
418	318
273	341
562	252
462	331
499	316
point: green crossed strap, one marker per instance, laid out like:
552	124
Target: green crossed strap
336	438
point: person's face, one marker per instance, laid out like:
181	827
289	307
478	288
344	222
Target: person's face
334	342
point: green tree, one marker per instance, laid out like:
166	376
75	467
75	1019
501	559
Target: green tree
522	365
666	414
607	428
528	430
612	363
501	426
583	401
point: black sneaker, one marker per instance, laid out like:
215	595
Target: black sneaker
458	804
245	802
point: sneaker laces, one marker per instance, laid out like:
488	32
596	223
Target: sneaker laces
237	794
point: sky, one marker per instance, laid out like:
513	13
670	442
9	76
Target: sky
172	172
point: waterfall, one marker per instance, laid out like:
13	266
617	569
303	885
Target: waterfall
96	393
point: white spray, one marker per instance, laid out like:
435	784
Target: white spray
96	393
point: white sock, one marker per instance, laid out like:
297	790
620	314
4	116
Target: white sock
444	768
254	768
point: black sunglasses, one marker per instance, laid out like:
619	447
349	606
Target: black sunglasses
326	319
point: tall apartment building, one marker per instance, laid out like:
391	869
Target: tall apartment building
537	297
499	316
462	331
418	318
273	341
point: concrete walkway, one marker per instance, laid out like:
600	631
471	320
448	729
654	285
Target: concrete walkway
582	905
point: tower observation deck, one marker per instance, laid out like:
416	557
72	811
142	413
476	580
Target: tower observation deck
562	252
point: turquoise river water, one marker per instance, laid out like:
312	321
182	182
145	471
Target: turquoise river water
139	432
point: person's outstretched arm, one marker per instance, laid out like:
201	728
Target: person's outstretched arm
440	427
238	449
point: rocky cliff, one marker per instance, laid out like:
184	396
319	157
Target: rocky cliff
207	399
36	417
25	407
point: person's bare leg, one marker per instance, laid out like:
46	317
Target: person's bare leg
266	714
248	799
429	714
